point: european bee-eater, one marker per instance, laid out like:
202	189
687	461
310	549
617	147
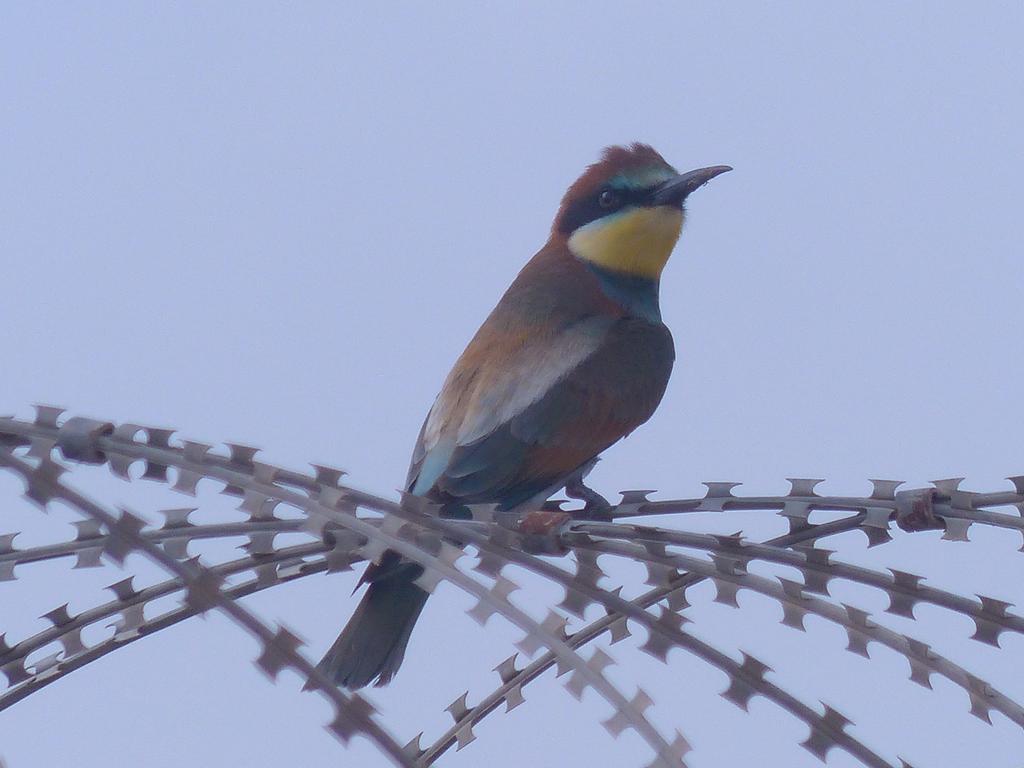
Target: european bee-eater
573	358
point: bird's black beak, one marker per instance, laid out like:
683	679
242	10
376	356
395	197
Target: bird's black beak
675	191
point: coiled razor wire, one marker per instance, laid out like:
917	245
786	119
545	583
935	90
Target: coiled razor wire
342	538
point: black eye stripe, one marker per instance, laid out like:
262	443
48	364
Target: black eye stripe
590	209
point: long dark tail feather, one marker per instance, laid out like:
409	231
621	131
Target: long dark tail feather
371	647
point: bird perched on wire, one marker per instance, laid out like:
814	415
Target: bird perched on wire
573	358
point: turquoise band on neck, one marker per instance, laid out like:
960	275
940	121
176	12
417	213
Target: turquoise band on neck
637	295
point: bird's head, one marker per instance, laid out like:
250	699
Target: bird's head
625	212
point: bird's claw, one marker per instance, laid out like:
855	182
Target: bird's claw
541	531
915	510
595	507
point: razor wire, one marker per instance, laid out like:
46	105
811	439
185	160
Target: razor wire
94	440
340	538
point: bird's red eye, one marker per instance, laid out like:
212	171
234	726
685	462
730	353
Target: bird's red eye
608	199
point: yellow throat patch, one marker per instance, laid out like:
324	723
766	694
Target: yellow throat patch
636	241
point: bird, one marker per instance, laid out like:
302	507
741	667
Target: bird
573	358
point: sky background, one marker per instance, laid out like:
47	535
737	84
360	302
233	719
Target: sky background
280	224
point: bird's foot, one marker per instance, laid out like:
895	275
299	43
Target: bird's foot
915	510
595	507
541	531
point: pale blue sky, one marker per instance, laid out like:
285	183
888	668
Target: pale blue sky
280	224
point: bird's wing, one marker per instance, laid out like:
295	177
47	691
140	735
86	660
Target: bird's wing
503	371
521	424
